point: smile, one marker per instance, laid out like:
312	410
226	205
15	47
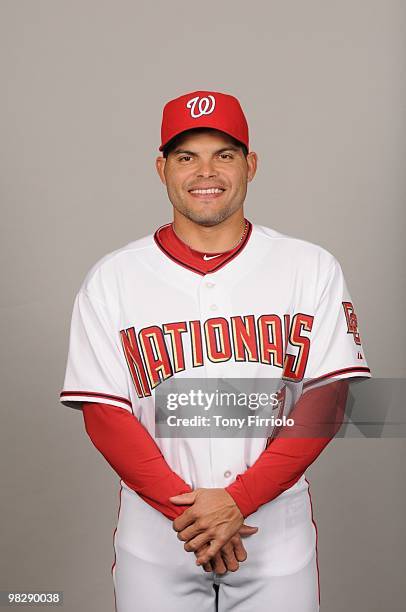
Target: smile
212	192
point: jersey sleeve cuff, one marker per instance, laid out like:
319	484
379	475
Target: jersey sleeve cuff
241	497
75	399
351	372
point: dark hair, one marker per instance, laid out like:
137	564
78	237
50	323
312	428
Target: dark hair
173	143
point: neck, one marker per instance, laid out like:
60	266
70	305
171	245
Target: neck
215	239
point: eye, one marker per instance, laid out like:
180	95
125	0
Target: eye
184	157
226	155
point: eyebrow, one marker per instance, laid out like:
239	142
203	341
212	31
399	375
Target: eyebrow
230	148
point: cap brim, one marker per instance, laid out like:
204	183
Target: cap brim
197	127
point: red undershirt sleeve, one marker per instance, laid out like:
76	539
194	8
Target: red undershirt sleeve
134	455
317	415
119	436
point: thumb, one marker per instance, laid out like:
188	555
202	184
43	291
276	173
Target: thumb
183	498
246	530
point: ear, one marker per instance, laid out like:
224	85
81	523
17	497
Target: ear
160	165
252	162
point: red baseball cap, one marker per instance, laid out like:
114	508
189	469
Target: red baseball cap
209	109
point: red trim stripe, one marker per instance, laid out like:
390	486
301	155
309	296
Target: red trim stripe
95	394
317	539
193	268
114	548
178	261
335	373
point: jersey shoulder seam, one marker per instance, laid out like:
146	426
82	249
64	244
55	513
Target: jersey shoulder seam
109	257
262	230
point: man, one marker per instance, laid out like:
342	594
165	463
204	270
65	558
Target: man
212	296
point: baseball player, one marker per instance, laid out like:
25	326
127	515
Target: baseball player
214	523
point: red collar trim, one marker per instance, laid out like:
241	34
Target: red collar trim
179	252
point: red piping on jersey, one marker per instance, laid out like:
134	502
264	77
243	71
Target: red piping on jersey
165	247
342	371
114	548
94	394
317	538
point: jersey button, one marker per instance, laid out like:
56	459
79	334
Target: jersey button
209	284
227	474
213	307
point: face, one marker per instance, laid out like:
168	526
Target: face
206	176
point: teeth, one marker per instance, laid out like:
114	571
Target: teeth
213	190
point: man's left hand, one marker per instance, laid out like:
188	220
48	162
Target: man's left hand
213	518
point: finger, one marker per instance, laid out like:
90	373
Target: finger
239	550
183	498
246	530
218	564
227	552
207	566
190	532
208	554
184	520
194	544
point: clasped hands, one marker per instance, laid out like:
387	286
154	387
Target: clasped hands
212	528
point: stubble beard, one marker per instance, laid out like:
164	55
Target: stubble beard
207	219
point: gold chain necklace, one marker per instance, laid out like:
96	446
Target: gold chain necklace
232	248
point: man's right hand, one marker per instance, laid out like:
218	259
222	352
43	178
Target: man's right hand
231	554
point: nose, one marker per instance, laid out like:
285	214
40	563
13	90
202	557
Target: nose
206	169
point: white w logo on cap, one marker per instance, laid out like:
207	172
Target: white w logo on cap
205	106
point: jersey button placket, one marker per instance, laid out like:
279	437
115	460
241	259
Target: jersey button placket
208	305
214	303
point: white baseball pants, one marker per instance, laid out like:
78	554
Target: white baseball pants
153	573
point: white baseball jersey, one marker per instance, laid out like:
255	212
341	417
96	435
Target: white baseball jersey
279	309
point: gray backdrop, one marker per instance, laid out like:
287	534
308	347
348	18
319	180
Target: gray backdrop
83	85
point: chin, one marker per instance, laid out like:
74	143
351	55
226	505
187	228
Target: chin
207	218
